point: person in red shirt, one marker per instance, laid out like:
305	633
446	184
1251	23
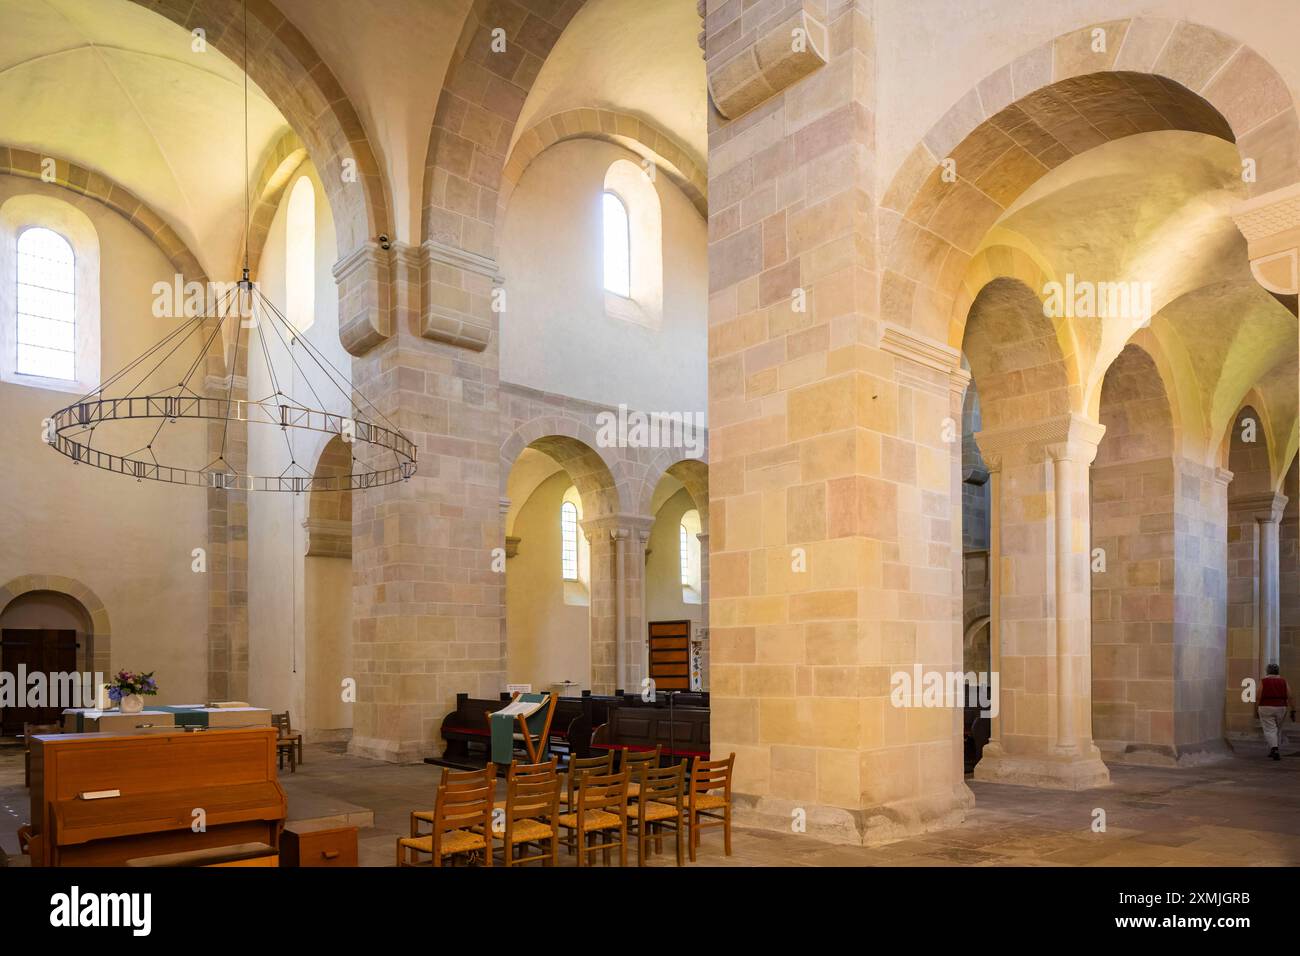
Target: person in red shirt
1274	701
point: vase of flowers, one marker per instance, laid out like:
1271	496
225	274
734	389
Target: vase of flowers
128	690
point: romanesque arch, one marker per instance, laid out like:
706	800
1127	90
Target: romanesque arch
100	638
611	126
27	164
1053	103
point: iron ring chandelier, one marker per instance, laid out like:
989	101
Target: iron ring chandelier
71	429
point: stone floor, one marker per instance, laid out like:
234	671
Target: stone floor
1244	811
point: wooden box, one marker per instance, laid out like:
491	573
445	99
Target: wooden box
333	846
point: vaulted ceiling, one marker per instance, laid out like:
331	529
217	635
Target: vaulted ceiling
120	90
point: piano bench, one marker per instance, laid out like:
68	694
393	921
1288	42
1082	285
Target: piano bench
241	854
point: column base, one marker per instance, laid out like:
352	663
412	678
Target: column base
1163	755
870	826
1076	772
390	751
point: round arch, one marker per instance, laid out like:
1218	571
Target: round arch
289	71
100	637
1055	102
693	473
599	478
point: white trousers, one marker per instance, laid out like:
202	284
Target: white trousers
1271	718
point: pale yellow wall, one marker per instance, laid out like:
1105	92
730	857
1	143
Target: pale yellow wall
548	640
281	658
663	566
555	333
129	542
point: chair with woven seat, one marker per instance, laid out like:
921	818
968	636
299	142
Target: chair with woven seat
601	808
635	761
532	805
578	768
704	808
456	815
662	804
455	780
288	742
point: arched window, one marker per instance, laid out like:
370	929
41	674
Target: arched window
49	295
688	532
569	541
632	223
685	544
46	305
300	255
618	246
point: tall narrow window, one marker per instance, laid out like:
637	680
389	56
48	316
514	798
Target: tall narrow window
618	246
46	305
688	531
300	255
569	541
685	543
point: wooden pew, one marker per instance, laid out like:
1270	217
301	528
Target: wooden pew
682	731
163	778
468	739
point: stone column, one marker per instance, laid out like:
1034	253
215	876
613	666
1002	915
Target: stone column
617	630
427	601
1042	600
1254	621
704	608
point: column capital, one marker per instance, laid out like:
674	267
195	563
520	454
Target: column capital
1271	226
1265	507
1223	476
618	525
1069	437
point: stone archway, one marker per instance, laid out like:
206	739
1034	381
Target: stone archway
99	640
614	584
611	126
15	161
285	66
1051	104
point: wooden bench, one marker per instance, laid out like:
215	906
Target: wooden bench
681	731
468	739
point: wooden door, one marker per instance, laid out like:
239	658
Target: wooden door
35	649
670	654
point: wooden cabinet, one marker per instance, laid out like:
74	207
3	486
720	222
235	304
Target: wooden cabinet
336	846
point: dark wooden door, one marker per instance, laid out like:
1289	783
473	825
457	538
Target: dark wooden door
670	654
35	649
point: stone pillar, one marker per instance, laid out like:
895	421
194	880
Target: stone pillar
831	498
704	608
618	645
1254	623
428	603
1042	596
227	535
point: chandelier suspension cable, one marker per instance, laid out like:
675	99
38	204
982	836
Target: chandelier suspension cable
248	179
72	429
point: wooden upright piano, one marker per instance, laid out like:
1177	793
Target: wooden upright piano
164	778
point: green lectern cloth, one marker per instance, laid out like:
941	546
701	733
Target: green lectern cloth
504	726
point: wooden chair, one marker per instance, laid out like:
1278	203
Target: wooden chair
578	768
454	780
534	745
636	761
28	731
702	804
602	808
456	816
662	804
531	807
289	742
